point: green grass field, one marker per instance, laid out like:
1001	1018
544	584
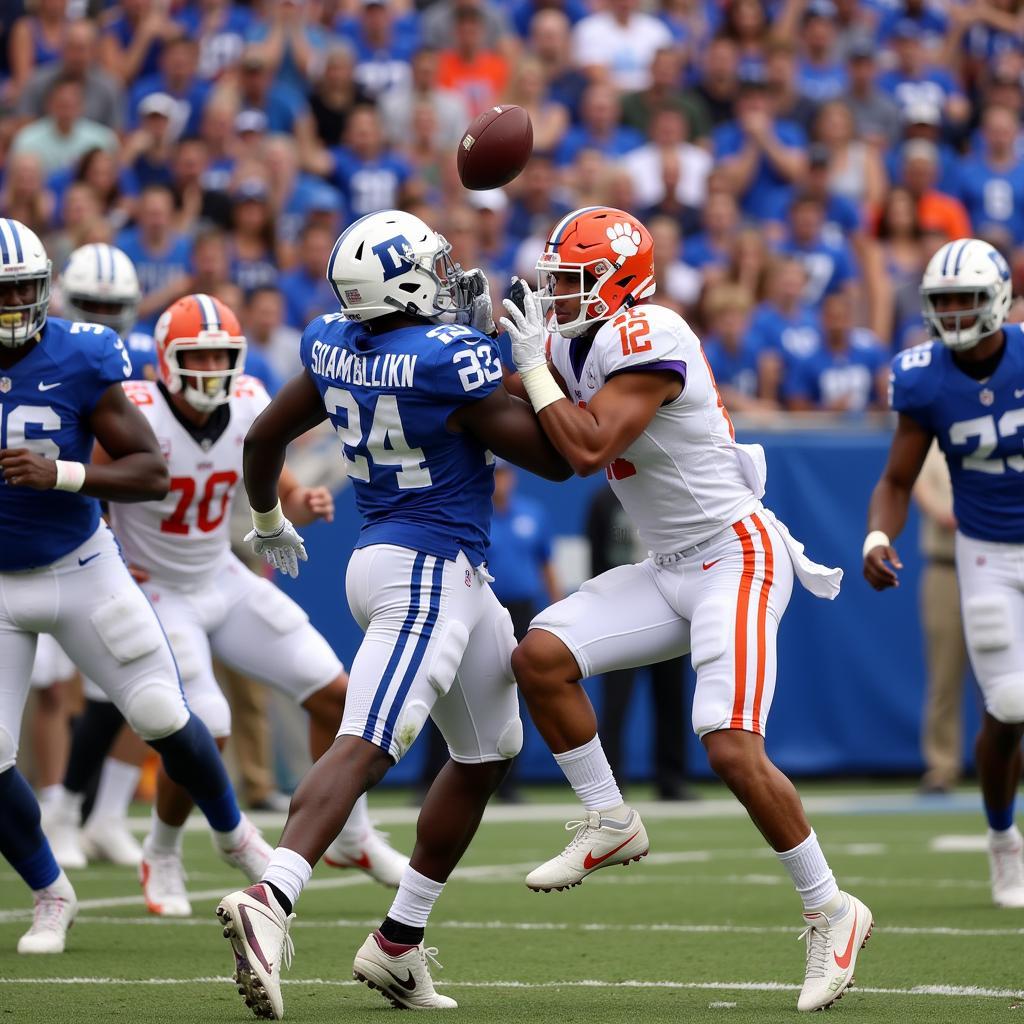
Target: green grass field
704	929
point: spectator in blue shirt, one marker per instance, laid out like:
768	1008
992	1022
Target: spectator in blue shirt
221	29
712	247
763	155
178	77
292	40
384	44
253	246
536	206
162	257
550	44
522	12
599	127
368	175
848	373
928	20
993	180
306	291
822	76
830	267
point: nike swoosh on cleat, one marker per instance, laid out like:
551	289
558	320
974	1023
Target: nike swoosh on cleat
409	983
710	565
592	862
86	561
842	962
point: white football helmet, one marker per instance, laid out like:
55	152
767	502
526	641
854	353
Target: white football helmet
971	267
22	260
100	286
392	262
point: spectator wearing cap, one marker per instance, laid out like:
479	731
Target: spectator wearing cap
250	134
924	121
292	40
638	108
60	138
781	70
494	251
730	349
550	43
678	283
468	66
830	265
368	175
718	83
101	95
253	240
848	372
937	212
162	257
875	113
35	40
762	155
149	150
133	38
619	44
599	128
992	180
822	76
336	93
669	174
265	329
536	204
450	108
221	29
915	80
384	42
178	77
307	293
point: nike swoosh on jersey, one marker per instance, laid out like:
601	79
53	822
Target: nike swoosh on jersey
710	565
49	387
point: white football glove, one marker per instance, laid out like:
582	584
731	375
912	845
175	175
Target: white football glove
526	330
283	549
480	314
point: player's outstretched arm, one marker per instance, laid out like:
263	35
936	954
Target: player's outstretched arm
507	426
890	500
592	438
134	471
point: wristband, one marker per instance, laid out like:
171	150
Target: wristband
268	523
70	476
875	539
541	387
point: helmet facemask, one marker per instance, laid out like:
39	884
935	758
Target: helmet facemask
204	390
592	277
120	315
20	320
961	329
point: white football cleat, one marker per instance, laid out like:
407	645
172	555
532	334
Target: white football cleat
109	839
257	927
54	913
1006	863
374	855
163	883
401	973
251	855
594	846
60	824
832	948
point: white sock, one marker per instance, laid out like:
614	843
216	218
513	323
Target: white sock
118	782
357	828
229	840
69	804
60	886
416	897
590	776
812	876
1009	837
288	872
164	838
51	795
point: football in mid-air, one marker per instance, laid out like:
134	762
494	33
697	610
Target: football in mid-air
496	147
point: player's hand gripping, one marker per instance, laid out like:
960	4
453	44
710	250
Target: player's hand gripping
283	549
880	565
526	329
22	468
477	291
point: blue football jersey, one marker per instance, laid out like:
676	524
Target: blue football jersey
46	400
980	428
389	396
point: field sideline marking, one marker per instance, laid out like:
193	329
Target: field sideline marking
206	921
946	991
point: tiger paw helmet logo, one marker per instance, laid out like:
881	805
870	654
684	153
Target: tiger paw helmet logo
624	240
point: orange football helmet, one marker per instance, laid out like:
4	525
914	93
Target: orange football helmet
612	252
193	323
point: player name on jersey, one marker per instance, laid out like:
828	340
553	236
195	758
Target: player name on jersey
384	370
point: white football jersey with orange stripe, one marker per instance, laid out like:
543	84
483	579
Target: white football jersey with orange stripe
183	538
684	478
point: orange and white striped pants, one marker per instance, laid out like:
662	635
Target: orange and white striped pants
722	603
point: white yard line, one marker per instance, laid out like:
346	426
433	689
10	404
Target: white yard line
945	991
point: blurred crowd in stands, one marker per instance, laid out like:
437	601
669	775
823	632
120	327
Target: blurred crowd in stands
797	161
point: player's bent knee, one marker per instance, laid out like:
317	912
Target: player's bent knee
213	711
8	750
155	709
541	658
1004	698
410	722
987	622
510	742
128	626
